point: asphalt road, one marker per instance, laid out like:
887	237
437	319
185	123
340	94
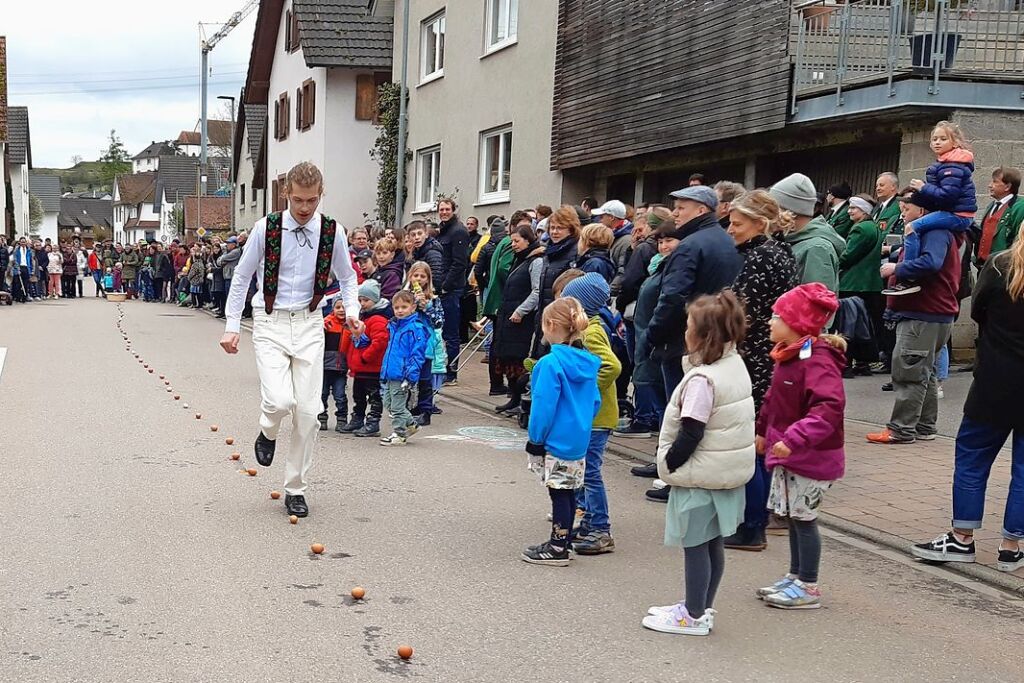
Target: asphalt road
132	549
865	400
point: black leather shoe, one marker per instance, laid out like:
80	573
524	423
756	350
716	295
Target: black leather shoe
296	505
887	386
264	449
647	471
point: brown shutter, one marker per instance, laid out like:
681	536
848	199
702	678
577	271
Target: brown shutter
287	107
311	97
277	120
288	31
295	31
300	119
366	97
275	193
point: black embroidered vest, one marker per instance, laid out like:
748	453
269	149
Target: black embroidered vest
272	259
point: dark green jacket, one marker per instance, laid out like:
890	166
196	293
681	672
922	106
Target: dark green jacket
841	221
860	262
889	220
501	263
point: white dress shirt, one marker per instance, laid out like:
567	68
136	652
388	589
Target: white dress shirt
297	270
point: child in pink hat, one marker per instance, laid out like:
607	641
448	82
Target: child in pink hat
800	431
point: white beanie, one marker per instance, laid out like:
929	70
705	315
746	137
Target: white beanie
795	193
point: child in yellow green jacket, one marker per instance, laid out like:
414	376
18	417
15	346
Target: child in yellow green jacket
594	536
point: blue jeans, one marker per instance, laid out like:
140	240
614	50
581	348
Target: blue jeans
425	390
937	220
592	497
755	512
451	302
942	364
977	445
650	404
336	381
672	372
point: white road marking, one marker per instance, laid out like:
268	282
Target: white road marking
3	357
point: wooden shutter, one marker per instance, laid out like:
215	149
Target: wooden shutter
275	195
288	31
295	31
366	97
277	120
300	119
310	100
286	108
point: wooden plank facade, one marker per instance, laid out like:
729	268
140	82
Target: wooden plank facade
640	76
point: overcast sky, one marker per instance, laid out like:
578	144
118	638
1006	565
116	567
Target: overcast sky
130	65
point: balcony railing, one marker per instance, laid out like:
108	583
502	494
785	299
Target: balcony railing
842	45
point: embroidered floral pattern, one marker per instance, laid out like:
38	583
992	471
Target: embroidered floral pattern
272	259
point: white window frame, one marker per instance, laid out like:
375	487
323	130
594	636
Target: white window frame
427	201
501	194
510	23
437	68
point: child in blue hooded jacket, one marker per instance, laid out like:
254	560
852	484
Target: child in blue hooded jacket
565	402
403	362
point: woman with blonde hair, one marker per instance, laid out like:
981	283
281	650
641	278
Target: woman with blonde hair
595	251
991	415
559	255
768	272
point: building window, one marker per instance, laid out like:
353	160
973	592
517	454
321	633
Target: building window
432	48
502	23
291	31
305	104
282	116
428	178
254	196
241	198
495	164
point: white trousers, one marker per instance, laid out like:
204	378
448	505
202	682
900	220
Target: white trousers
289	349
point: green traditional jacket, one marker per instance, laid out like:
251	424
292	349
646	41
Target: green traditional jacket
889	220
501	263
859	263
1006	229
841	220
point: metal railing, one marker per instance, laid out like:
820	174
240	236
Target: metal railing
839	45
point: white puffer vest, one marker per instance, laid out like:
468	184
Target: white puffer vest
725	457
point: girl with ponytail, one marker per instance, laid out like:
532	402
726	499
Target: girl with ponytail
565	400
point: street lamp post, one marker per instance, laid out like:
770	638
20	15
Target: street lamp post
231	168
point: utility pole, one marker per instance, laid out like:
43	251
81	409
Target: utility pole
231	168
400	180
206	46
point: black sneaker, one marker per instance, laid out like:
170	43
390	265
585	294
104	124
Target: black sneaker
888	387
901	289
507	405
745	539
657	495
353	425
945	548
646	471
322	417
368	429
423	419
635	430
546	554
1010	560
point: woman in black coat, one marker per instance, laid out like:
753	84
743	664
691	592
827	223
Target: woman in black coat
516	319
559	255
991	415
768	272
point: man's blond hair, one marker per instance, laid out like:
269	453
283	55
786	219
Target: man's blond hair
304	174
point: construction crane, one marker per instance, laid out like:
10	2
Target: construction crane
206	46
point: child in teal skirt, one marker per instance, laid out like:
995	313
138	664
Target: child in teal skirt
706	455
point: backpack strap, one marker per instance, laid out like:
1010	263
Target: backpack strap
271	260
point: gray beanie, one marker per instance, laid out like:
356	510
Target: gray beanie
795	193
370	290
498	227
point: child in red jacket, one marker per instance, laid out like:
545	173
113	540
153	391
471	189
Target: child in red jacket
335	366
365	356
800	431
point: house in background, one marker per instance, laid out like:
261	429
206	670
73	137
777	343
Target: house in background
316	66
46	188
250	165
87	219
179	177
135	214
481	129
213	214
149	158
19	162
218	141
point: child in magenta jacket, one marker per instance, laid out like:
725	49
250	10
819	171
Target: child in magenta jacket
800	431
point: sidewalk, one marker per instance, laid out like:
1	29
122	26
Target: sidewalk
892	495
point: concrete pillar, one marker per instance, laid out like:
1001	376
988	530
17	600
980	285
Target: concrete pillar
638	188
750	173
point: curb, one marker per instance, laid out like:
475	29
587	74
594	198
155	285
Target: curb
981	573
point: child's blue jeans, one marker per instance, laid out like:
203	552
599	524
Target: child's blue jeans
937	220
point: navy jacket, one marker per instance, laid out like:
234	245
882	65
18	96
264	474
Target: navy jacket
454	270
597	261
705	262
950	186
431	254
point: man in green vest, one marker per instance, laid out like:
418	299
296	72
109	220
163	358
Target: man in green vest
294	254
999	225
838	213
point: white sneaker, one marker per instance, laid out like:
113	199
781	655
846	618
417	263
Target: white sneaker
658	484
779	585
679	622
666	609
393	440
942	394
